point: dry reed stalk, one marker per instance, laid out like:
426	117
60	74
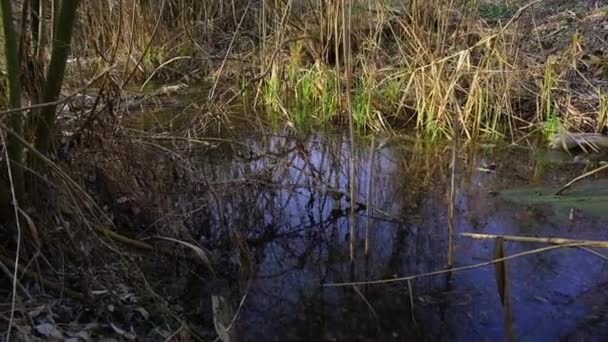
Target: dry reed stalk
530	239
462	268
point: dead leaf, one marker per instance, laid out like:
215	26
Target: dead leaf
81	336
144	313
33	229
36	311
49	330
221	317
128	335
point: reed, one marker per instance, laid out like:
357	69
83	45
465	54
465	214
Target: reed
271	89
602	118
362	102
552	124
410	67
415	63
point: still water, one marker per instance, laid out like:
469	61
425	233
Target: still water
288	199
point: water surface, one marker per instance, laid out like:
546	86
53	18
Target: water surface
287	196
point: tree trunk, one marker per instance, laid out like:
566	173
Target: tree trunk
11	54
55	72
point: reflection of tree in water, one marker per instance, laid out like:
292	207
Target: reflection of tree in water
288	199
309	185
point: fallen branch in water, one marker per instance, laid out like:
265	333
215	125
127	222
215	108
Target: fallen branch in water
588	142
583	176
457	269
553	241
548	240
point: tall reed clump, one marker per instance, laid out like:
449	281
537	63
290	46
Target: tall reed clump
304	95
487	111
547	108
421	63
271	96
471	77
165	40
602	116
363	100
299	90
416	63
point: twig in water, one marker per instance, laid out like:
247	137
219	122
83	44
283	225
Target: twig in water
583	176
456	269
411	291
549	240
369	305
598	254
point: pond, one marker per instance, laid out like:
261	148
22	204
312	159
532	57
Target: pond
287	197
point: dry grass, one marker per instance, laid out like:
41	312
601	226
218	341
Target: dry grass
481	66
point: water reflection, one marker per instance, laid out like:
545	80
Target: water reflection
288	198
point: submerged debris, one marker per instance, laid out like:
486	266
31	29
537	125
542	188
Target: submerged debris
588	142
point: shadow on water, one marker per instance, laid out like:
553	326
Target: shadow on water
288	199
